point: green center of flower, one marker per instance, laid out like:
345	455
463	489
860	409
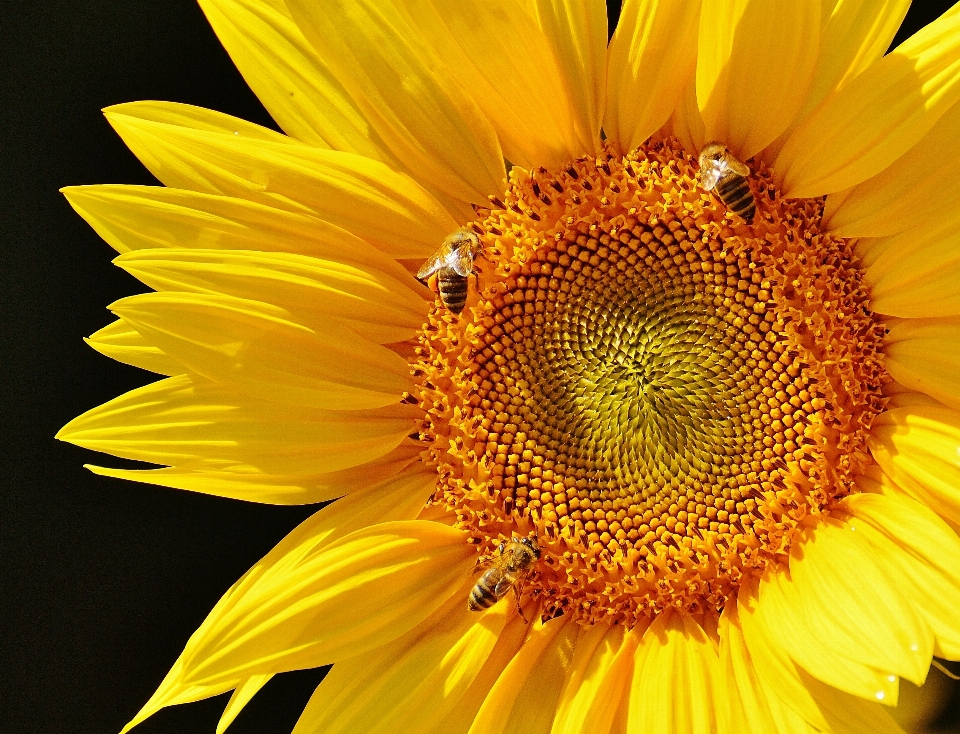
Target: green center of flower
658	390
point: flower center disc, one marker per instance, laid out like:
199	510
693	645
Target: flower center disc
661	392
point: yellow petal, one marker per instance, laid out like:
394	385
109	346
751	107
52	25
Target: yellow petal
259	350
577	33
525	696
283	71
652	56
915	191
824	650
877	116
598	676
280	489
923	552
408	94
313	535
755	63
146	217
240	698
120	341
924	355
855	33
916	273
377	305
190	422
200	118
675	679
411	684
825	708
686	122
361	195
498	54
918	447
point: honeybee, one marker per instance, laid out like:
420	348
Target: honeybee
720	170
509	568
453	264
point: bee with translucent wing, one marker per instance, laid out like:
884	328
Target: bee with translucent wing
722	172
508	569
453	264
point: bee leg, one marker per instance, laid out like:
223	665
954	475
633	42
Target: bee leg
482	561
516	594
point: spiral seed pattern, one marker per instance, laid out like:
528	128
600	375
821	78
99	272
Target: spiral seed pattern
663	393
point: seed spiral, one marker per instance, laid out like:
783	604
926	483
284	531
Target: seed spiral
663	393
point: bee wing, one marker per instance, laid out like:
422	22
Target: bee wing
709	176
462	262
502	587
737	166
432	265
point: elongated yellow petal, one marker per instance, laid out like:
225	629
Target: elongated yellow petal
375	304
120	341
686	122
411	684
240	698
675	679
361	195
577	33
278	489
826	708
924	355
597	679
258	349
923	552
877	116
407	93
916	273
284	72
915	191
200	118
525	695
918	447
652	56
192	423
790	617
755	63
855	33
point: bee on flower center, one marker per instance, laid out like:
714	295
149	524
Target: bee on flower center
512	564
722	172
453	264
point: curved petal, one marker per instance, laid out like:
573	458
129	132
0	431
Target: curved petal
686	122
923	552
915	191
924	355
916	273
377	305
877	116
754	65
408	94
918	447
826	708
284	72
525	696
282	489
192	423
598	676
240	698
411	684
259	350
361	195
146	217
316	603
189	116
120	341
577	33
676	679
652	55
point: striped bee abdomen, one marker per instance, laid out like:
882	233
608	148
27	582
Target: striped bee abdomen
453	290
734	191
484	593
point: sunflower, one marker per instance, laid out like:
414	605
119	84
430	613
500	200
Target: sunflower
690	443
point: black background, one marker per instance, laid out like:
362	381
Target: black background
102	581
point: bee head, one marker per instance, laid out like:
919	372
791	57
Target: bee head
532	545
